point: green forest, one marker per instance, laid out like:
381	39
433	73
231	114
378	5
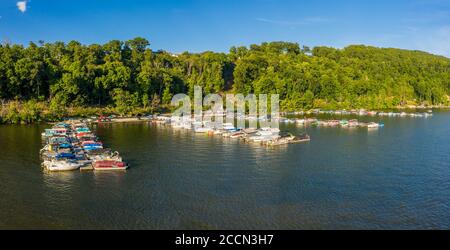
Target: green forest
45	81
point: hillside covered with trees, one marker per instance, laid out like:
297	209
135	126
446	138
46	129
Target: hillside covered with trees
56	79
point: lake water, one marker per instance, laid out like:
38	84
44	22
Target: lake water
395	178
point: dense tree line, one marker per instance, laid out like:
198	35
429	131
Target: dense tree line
357	76
129	75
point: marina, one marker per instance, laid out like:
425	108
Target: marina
341	179
266	136
263	135
72	145
275	137
258	116
353	123
425	113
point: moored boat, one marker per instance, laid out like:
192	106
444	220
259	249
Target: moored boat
70	146
301	138
202	130
374	125
62	165
238	134
109	165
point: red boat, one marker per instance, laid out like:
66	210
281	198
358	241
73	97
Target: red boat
102	118
110	165
82	134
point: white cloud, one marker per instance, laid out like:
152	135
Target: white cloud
22	6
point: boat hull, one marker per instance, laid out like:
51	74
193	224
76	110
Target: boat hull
111	168
59	167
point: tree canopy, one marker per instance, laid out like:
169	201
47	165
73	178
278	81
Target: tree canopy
130	74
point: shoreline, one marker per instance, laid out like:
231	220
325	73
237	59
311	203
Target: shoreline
283	114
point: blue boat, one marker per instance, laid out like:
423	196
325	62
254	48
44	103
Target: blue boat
83	130
58	140
61	156
65	145
62	125
90	147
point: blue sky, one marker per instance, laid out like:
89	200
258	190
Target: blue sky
200	25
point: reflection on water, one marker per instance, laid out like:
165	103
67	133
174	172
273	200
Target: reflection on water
116	178
395	177
56	179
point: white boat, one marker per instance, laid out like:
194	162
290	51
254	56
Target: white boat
300	121
106	157
264	138
265	133
362	112
373	125
177	125
270	130
202	130
62	165
228	126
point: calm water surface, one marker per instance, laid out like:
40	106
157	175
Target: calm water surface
394	178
